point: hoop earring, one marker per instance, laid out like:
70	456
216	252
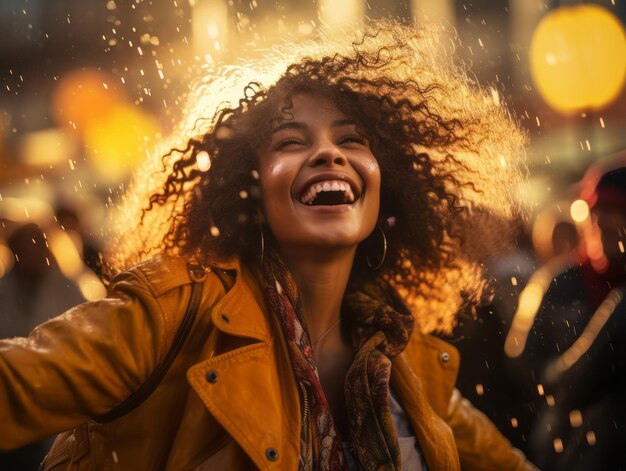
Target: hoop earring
382	260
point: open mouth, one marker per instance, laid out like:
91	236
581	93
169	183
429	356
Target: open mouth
329	193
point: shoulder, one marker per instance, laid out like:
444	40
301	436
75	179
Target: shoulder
164	273
157	275
163	286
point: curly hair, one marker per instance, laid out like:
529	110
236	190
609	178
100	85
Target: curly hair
447	150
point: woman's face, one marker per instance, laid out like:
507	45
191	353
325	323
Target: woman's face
320	182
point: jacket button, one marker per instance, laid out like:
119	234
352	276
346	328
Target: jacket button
271	454
211	376
444	357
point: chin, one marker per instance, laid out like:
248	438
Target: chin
336	239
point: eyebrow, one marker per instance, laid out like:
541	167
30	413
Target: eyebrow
299	125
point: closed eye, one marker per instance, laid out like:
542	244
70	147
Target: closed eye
285	143
353	138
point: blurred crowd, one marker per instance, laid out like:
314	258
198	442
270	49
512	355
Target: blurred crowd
550	348
544	360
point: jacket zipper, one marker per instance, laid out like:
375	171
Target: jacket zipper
304	428
305	414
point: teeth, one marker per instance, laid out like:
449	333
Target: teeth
334	185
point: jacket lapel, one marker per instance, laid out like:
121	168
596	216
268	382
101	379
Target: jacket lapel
250	390
432	361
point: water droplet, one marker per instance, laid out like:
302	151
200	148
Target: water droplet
575	418
203	161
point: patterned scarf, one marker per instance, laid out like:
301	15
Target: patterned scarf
379	334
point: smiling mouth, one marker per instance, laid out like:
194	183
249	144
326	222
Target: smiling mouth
328	193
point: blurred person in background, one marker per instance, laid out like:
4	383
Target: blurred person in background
345	213
70	220
580	334
487	376
31	292
34	290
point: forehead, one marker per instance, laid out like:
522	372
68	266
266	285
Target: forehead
311	109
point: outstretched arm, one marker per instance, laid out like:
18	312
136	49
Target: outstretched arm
80	364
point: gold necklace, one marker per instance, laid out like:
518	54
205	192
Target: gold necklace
326	332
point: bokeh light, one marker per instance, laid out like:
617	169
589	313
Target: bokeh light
578	57
82	97
339	14
118	141
579	210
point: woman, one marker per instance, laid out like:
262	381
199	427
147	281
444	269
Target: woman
332	230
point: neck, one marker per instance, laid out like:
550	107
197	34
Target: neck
321	279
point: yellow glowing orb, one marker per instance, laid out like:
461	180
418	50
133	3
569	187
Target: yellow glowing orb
119	140
82	96
578	57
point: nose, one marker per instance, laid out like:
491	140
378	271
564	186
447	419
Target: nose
327	154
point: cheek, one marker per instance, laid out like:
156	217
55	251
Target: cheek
371	174
275	181
370	167
275	177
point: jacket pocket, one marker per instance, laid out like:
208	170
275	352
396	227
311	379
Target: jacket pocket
225	454
67	450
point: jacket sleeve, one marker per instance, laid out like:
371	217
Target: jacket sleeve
79	364
479	443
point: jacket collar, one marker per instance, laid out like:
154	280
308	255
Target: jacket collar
240	312
254	381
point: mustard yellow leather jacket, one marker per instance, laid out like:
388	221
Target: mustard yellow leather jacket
229	400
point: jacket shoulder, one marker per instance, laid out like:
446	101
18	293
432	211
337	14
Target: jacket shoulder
159	274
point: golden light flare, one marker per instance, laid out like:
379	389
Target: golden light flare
335	14
441	11
90	286
7	260
578	57
591	437
47	146
27	209
65	253
209	24
586	339
575	418
529	302
558	445
116	133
